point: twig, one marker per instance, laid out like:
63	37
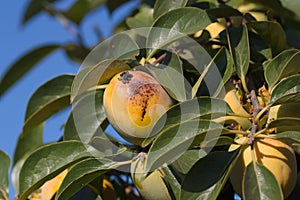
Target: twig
256	109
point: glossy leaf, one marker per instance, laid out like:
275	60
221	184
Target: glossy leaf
47	100
89	78
185	162
203	107
213	191
121	46
174	25
293	135
260	183
209	170
27	142
170	75
4	172
33	8
174	185
81	8
24	64
239	48
286	91
48	161
175	140
80	175
285	64
270	32
162	6
86	117
144	18
221	64
287	122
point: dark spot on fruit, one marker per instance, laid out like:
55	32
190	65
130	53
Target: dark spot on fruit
125	77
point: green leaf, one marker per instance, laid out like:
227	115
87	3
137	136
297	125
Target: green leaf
4	172
18	69
293	135
221	64
174	185
291	5
174	25
170	75
185	162
48	161
162	6
260	183
27	142
173	141
209	170
81	8
202	107
222	12
90	77
286	91
76	53
239	48
48	99
144	18
213	191
283	65
270	32
112	5
34	7
121	46
86	117
287	122
80	175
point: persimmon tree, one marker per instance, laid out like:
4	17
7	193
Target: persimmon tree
228	122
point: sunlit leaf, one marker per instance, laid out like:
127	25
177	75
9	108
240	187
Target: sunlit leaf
174	25
80	175
170	75
286	91
24	64
27	142
293	135
86	117
203	107
162	6
81	8
48	161
144	18
4	173
239	48
185	162
90	77
285	64
47	100
173	141
260	183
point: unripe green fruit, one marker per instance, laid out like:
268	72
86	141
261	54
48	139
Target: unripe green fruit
133	102
276	156
151	187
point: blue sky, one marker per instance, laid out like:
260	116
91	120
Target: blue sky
16	40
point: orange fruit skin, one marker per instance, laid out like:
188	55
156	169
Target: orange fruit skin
133	102
276	156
